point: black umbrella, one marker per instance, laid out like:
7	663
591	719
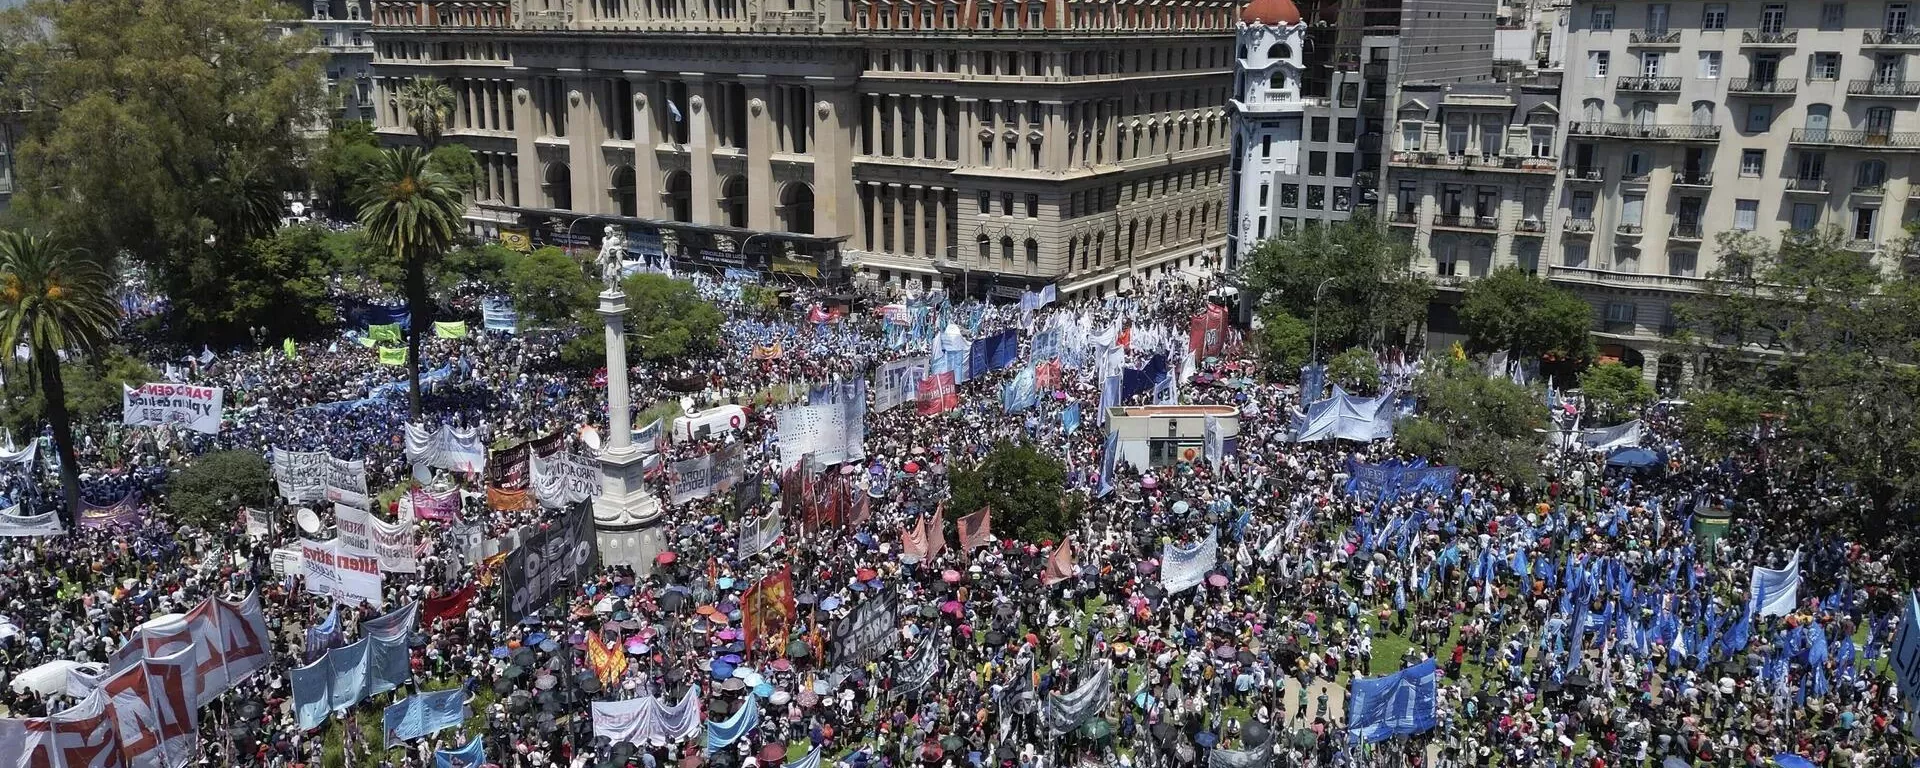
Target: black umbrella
502	686
513	671
587	683
1255	735
625	749
996	638
799	650
673	601
1163	733
550	701
519	703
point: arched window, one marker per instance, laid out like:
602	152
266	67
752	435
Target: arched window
558	184
733	200
1819	119
1033	255
680	196
981	245
1703	113
1006	251
1593	110
1280	51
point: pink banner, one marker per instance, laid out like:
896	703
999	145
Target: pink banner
443	507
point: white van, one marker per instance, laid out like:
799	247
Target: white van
712	424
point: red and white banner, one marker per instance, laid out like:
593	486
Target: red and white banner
976	530
1060	565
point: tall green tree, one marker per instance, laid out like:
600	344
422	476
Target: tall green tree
666	318
1370	289
1476	422
1025	488
548	286
53	300
339	166
427	103
1356	370
1282	342
1526	316
151	129
412	214
1812	344
1614	391
456	162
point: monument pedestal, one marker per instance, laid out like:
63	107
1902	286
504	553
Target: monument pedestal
626	516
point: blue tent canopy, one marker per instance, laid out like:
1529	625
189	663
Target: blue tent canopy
1636	458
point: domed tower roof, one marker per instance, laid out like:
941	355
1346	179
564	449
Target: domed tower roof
1270	12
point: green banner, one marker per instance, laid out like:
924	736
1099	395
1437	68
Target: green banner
393	355
388	332
450	330
287	346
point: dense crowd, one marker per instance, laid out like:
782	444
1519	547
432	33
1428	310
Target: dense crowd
1580	621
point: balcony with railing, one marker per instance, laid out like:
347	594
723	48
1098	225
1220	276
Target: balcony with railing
1884	89
1642	178
1644	131
1753	38
1576	226
1817	185
1763	86
1592	275
1404	218
1474	161
1648	84
1871	190
1891	38
1653	37
1591	174
1530	225
1867	139
1685	230
1693	178
1465	221
1629	230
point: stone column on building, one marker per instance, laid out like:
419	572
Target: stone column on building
700	142
943	243
968	141
626	516
761	196
526	123
940	151
834	209
646	161
587	168
1053	137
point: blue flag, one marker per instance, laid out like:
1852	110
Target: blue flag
423	715
1109	459
1070	419
1400	704
473	755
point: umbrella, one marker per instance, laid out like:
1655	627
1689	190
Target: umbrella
1255	735
1097	729
1245	657
781	665
725	582
996	638
865	574
950	576
929	611
692	761
513	671
950	606
1146	566
1205	739
953	742
830	603
772	753
665	558
1635	458
780	698
500	652
799	649
1223	652
763	690
1217	580
587	683
545	682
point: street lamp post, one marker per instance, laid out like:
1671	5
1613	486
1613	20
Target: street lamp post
1317	291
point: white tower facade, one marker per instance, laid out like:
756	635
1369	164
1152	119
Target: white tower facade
1269	117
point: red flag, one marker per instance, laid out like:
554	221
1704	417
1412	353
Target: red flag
937	394
913	541
936	532
451	606
1059	565
862	508
976	530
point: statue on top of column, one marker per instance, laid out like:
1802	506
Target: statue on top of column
613	250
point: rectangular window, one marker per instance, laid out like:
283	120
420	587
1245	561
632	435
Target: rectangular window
1621	311
986	201
1316	197
1343	198
1541	139
1896	21
1006	203
1657	18
1806	216
1833	16
1408	197
1813	166
1264	188
1344	130
1863	224
1631	208
1773	19
1651	63
1033	206
1262	231
1713	18
1266	146
1682	263
1410	132
1601	19
1316	163
1752	161
1289	195
1759	117
1575	255
1746	215
1709	65
1343	165
1597	62
1825	65
1319	129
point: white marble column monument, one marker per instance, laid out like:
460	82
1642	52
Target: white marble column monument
626	516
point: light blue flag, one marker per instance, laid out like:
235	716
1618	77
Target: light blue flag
387	665
1109	397
396	624
473	755
349	666
811	760
1400	704
719	735
1775	591
1021	393
1109	458
311	699
423	714
1070	419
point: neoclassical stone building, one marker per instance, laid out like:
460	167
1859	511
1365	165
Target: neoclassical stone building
1001	144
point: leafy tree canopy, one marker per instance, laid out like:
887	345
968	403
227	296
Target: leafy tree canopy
1615	391
666	318
92	391
548	286
340	166
1512	311
1025	488
1477	422
161	130
281	285
211	490
1356	370
1372	291
455	162
1281	342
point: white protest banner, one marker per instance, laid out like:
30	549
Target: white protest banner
1183	567
353	528
286	561
349	577
896	382
301	475
347	482
155	404
317	569
14	524
393	543
256	520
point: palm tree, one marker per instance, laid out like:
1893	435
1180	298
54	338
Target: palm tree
414	213
428	102
54	300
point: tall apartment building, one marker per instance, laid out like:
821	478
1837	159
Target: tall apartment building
343	27
985	146
1687	120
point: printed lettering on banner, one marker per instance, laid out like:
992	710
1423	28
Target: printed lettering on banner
535	569
691	479
354	529
868	632
897	381
153	405
360	578
301	475
14	524
317	568
394	543
347	482
243	636
256	521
